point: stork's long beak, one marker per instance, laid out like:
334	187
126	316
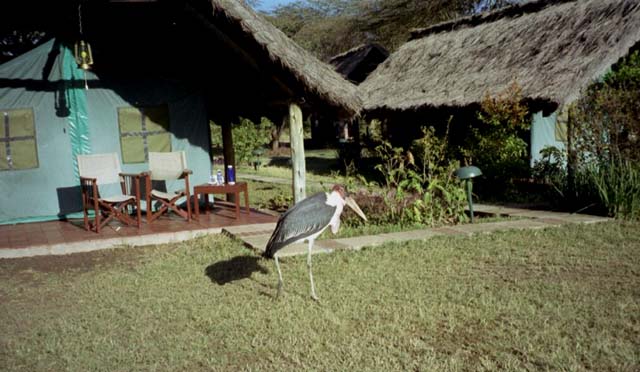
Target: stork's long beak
353	205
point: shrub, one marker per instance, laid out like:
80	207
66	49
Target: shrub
420	186
551	170
617	183
497	146
280	203
605	140
606	120
247	137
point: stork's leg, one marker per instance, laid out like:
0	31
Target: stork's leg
275	256
313	287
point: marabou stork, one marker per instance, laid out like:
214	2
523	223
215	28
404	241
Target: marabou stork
306	220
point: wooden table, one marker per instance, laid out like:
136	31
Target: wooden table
205	189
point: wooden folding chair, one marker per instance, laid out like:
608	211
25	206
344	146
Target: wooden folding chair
98	171
167	166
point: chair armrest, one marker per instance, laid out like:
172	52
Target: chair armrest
142	174
89	188
133	186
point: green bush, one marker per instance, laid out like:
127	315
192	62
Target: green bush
497	146
551	171
419	184
605	139
617	183
606	120
247	137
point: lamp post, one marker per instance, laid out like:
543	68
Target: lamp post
467	174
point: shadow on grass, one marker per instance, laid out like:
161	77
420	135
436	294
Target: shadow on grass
234	269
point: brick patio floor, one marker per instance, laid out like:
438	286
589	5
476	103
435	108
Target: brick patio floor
60	237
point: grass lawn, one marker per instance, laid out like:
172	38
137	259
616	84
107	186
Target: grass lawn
321	165
262	194
559	299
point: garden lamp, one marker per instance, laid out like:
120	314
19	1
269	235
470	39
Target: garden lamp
257	153
467	174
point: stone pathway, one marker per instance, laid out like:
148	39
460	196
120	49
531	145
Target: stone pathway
256	236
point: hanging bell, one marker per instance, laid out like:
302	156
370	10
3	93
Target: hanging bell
83	55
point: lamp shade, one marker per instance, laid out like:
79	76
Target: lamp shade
465	173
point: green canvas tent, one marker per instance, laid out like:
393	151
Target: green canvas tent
162	70
49	117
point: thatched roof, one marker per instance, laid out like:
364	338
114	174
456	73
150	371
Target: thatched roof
317	78
552	49
357	63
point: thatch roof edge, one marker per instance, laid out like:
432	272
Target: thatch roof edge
356	49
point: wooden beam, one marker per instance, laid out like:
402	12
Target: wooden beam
297	152
241	53
228	151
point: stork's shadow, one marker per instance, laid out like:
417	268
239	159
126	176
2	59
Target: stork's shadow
237	268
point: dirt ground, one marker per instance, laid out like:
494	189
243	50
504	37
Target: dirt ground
27	268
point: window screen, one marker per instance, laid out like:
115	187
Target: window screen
143	129
18	148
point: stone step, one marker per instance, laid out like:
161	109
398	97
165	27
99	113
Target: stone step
256	236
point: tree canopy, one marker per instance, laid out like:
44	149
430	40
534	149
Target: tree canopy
329	27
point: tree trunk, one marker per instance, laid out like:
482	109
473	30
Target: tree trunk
276	132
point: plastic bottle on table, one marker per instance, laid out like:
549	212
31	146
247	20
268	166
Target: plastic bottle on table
231	175
219	177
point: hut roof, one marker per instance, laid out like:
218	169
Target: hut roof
357	63
551	48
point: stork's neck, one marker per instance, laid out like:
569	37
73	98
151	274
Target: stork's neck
334	199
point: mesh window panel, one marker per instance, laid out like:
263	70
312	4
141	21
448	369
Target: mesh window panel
142	130
18	147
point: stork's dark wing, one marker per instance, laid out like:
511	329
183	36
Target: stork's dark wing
302	220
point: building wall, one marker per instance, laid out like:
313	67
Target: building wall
547	131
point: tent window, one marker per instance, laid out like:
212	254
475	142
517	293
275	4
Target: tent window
18	148
143	129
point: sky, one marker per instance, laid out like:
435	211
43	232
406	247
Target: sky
268	5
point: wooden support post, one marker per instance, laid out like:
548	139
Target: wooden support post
228	152
572	162
297	152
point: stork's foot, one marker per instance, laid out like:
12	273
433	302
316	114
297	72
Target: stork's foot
280	291
313	295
